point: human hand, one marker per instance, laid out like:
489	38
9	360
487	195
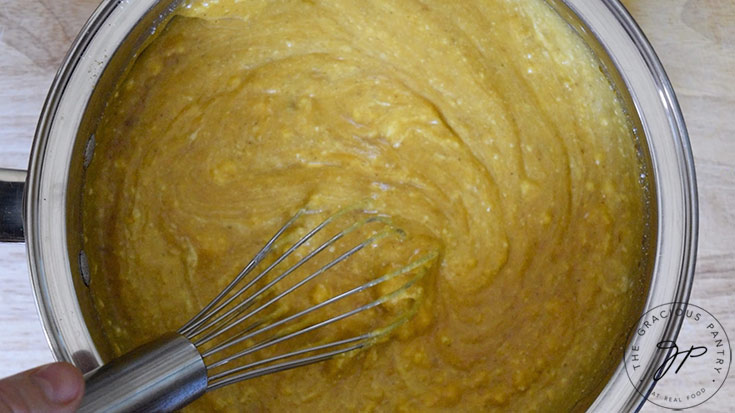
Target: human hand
55	387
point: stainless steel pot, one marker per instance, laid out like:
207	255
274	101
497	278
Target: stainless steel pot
117	31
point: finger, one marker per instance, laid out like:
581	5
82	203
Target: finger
56	387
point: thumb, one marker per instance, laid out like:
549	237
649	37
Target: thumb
56	387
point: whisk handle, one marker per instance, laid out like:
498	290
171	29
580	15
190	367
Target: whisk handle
160	376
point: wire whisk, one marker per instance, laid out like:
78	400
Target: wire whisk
251	329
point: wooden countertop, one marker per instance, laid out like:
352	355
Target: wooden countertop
695	39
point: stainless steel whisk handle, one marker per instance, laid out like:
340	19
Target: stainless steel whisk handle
160	376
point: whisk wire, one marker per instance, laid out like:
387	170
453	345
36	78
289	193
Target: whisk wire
232	376
299	352
278	339
230	309
289	290
245	271
282	366
245	305
196	328
372	283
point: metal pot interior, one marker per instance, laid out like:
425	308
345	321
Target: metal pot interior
121	30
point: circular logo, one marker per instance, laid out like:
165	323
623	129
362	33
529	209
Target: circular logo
682	373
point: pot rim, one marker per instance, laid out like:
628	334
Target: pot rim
609	24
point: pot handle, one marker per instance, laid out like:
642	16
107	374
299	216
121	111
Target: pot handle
12	185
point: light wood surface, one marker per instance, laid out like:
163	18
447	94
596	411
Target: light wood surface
695	39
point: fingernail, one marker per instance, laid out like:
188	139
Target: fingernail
60	382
